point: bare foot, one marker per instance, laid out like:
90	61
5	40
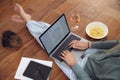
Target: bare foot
17	18
22	17
18	8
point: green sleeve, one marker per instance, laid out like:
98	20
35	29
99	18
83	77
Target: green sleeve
104	44
80	73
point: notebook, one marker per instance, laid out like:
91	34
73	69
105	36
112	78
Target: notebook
24	62
57	37
37	71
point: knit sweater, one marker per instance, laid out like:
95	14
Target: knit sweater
103	65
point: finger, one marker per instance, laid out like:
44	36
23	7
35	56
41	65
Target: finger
62	57
72	42
73	45
76	46
62	54
67	51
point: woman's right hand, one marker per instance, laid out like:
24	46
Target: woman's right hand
68	58
81	45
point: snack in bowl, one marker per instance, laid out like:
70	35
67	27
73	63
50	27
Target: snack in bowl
97	30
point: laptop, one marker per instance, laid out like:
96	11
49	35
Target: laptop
57	37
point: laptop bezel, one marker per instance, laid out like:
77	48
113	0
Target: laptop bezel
49	28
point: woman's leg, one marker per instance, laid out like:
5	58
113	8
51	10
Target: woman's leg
22	15
34	27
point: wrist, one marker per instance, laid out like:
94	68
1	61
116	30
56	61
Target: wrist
72	64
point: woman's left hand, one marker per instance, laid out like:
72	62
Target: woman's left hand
81	45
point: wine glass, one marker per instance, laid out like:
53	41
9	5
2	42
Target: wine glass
75	18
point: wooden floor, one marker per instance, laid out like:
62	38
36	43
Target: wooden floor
106	11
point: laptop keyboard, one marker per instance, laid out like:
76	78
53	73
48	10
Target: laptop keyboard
64	46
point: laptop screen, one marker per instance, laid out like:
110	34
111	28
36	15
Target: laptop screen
52	37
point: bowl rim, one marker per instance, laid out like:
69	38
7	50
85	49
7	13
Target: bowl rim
100	23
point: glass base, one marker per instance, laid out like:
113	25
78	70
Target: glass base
75	28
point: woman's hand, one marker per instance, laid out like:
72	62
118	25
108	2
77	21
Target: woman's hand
68	58
79	44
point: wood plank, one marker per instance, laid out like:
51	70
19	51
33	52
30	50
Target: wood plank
106	11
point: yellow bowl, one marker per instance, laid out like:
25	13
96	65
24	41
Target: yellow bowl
97	30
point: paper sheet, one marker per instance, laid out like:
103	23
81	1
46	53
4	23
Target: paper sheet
23	65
